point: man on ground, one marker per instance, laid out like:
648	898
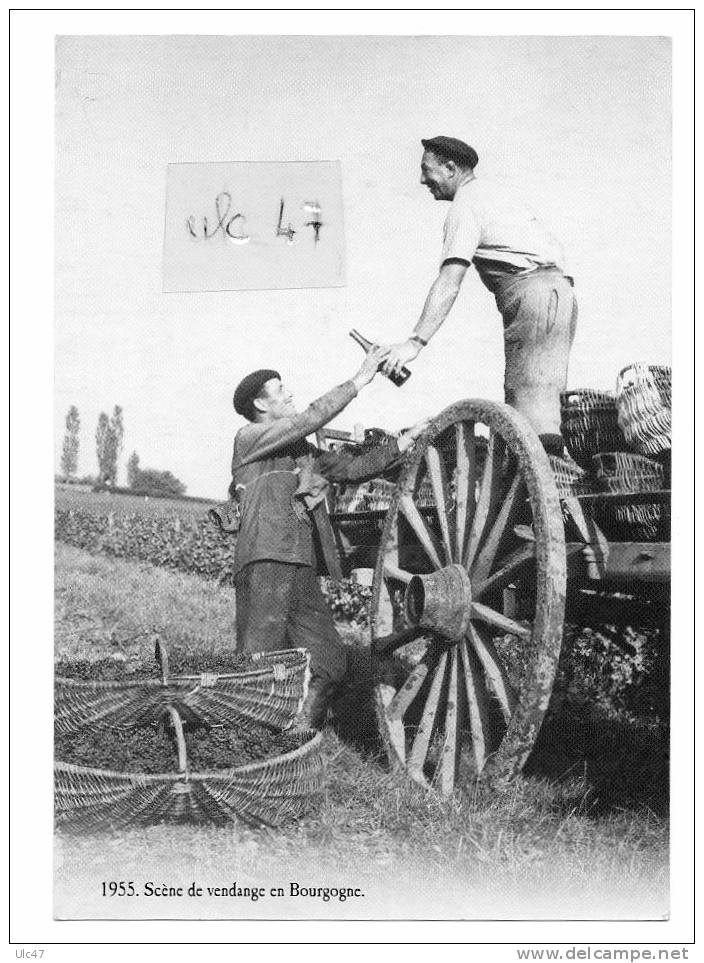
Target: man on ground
285	539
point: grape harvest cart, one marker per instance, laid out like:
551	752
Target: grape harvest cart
473	558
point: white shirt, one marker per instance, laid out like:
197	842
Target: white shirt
488	227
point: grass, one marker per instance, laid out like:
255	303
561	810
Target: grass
585	835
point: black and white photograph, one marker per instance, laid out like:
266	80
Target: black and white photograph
363	460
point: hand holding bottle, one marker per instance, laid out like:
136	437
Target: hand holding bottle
373	360
397	376
399	354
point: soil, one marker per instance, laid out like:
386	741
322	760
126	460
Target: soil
190	663
223	748
105	670
140	749
180	663
152	748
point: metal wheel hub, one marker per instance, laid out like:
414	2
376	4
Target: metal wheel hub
440	601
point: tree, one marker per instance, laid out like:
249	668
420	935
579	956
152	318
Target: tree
150	481
69	453
101	445
108	442
133	471
116	432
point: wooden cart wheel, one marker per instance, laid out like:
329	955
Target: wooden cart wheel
468	598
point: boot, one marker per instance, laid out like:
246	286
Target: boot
314	713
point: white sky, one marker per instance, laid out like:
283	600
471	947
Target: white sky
580	126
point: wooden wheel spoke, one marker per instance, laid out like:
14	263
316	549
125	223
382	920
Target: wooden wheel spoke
499	621
421	743
477	705
383	617
419	526
512	502
509	567
400	574
407	693
488	497
393	729
386	644
494	671
448	759
438	482
465	482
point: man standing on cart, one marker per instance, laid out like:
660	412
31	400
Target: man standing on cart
520	263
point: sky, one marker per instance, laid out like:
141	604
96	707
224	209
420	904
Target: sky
579	127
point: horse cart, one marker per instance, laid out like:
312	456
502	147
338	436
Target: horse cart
476	555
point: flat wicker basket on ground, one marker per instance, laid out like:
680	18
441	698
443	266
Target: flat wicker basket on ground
623	473
270	690
267	792
589	423
644	399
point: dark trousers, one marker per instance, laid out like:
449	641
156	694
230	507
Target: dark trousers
540	318
280	606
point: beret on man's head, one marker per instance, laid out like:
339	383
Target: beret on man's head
248	389
453	149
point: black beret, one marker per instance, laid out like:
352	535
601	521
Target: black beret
248	389
453	149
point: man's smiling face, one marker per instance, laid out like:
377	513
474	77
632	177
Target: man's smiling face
438	176
275	400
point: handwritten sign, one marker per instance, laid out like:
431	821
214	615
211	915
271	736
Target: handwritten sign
248	225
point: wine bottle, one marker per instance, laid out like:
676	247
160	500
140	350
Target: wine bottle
398	379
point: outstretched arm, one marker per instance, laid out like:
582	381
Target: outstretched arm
359	466
262	439
442	295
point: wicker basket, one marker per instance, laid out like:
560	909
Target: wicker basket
622	473
270	692
644	399
589	423
266	792
647	474
570	479
370	497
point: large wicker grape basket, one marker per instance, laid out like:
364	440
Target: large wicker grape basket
266	792
269	690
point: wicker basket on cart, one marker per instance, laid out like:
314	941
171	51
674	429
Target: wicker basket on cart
589	423
624	473
570	479
644	399
269	690
372	496
266	792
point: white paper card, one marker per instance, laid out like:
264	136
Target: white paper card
253	225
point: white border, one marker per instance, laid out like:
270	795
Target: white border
32	34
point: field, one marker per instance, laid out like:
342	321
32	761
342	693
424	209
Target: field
584	833
67	497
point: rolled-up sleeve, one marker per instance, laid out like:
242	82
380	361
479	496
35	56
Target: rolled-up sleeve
462	231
